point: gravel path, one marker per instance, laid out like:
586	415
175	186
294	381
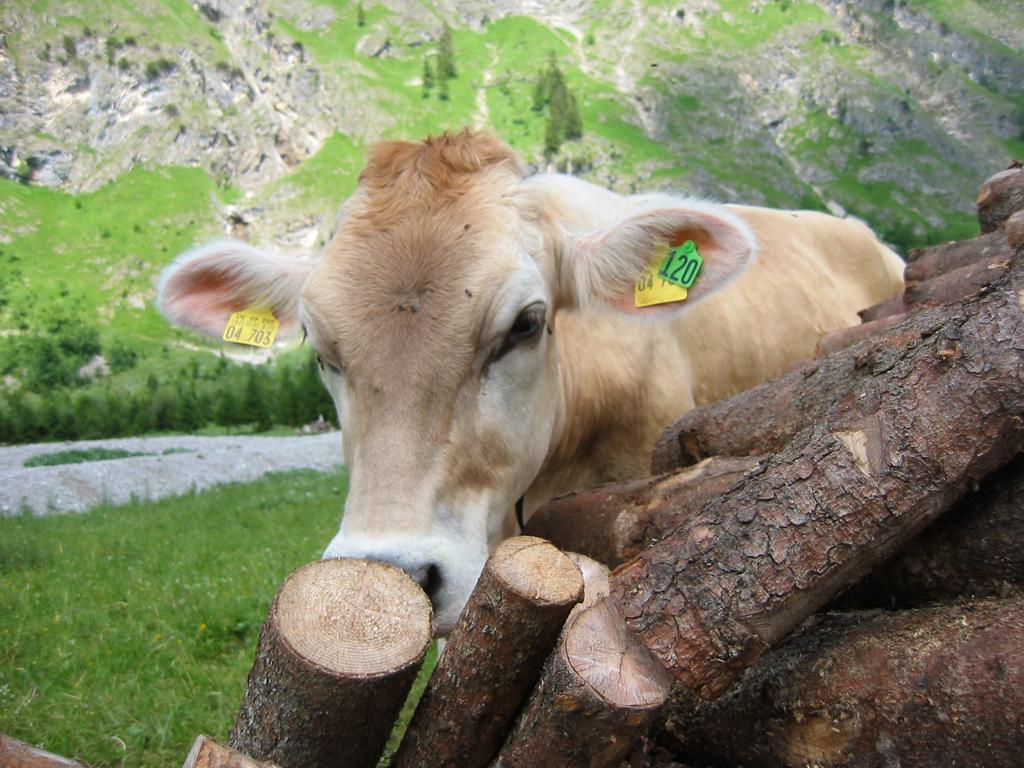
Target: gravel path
176	465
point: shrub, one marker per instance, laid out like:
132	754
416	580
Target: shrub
121	357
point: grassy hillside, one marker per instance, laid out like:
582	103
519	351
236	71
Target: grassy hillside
135	131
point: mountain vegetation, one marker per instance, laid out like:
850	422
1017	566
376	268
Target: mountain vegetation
130	132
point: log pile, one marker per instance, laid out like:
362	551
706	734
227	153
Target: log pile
823	570
769	506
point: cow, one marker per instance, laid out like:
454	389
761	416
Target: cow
478	330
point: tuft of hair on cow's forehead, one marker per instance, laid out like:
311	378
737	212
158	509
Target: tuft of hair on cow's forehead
439	165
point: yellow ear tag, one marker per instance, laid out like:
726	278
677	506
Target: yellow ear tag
651	289
255	327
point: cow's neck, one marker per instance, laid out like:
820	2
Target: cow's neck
608	414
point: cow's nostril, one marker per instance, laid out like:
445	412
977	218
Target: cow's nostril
432	584
429	578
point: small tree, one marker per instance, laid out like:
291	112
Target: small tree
443	90
540	92
552	136
573	121
428	76
564	120
446	65
360	16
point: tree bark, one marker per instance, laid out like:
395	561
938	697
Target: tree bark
894	305
955	285
615	522
336	658
937	687
597	693
999	197
493	657
762	420
926	263
845	337
843	496
18	754
1014	229
207	753
974	550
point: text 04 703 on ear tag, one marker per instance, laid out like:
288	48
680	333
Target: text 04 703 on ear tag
255	327
651	289
681	265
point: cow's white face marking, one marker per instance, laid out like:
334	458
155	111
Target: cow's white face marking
442	442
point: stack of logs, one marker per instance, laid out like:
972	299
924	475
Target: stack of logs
823	570
775	598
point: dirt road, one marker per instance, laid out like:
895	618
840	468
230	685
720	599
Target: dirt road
170	466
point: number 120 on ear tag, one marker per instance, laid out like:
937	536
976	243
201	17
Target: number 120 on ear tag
682	265
255	327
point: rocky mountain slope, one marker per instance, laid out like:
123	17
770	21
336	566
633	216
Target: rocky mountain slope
889	110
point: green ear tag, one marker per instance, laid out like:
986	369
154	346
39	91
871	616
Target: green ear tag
682	264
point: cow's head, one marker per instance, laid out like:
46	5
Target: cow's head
431	313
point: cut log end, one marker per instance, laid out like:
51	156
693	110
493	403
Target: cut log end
602	651
533	567
17	754
599	690
336	658
352	617
494	655
207	753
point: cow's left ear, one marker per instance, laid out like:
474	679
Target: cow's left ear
604	265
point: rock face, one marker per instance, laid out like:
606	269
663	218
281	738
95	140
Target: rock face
871	107
243	102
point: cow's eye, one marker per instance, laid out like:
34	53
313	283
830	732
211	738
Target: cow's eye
525	329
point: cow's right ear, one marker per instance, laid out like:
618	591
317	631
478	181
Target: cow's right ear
202	288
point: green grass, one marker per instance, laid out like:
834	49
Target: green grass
80	455
127	631
748	29
326	178
98	252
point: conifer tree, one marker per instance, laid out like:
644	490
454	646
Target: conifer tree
540	92
116	417
142	416
442	91
254	405
189	418
552	136
226	410
428	76
6	425
165	409
573	121
563	120
360	16
446	58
